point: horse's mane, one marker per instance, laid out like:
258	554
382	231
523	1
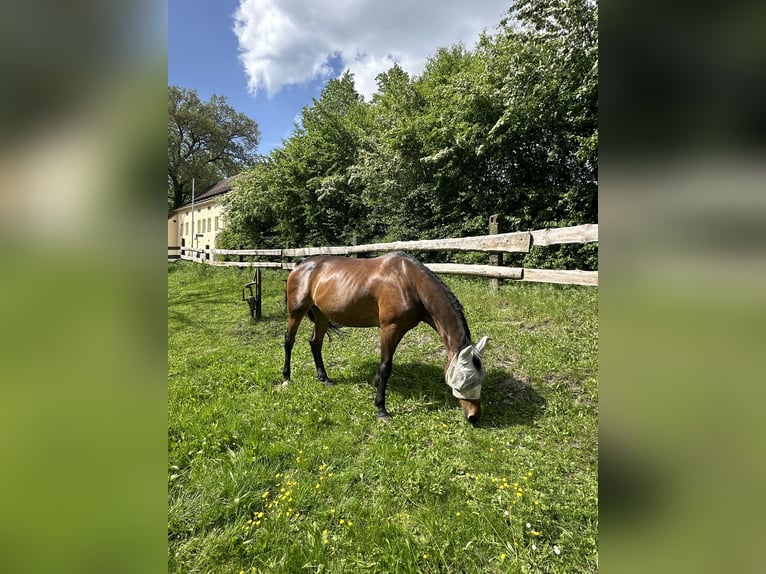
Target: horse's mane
456	305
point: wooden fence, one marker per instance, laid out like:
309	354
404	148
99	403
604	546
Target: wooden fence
496	244
516	242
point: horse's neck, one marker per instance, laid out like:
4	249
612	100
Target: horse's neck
445	320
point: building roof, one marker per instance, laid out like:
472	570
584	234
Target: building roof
223	186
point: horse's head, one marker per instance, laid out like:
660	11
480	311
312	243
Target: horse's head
465	374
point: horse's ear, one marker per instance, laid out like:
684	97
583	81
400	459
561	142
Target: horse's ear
464	356
479	347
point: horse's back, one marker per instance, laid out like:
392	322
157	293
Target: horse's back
355	292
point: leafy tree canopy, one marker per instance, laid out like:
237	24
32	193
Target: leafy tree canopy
509	127
207	141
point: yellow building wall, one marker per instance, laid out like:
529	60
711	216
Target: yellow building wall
205	215
173	231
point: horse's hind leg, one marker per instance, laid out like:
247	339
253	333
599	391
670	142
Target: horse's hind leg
321	324
293	322
298	304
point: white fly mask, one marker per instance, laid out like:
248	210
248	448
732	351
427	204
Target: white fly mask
462	374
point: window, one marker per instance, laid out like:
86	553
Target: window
216	223
187	228
208	224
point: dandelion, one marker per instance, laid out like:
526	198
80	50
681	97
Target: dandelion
265	494
535	533
259	515
502	557
491	449
349	524
556	550
425	556
342	521
457	514
537	503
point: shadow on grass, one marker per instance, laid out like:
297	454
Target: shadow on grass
506	401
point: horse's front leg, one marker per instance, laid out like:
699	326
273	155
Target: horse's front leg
390	335
381	380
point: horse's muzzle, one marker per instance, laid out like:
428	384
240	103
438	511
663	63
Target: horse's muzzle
471	409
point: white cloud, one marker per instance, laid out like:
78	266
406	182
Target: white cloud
285	42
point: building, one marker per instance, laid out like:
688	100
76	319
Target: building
207	221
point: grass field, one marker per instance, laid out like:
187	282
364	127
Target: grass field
306	479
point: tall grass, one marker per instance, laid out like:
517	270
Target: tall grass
305	478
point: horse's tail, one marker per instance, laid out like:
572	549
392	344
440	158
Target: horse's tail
333	329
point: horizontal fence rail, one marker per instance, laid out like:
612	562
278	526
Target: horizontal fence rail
516	242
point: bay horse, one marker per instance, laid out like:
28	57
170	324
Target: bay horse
394	292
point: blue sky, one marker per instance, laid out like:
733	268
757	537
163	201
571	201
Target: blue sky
269	58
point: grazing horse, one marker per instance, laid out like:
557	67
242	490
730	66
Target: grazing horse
394	292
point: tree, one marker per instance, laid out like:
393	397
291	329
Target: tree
508	127
207	141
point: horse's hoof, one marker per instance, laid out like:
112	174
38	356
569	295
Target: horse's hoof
386	418
285	384
328	383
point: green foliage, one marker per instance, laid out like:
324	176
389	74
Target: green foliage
509	127
207	141
301	478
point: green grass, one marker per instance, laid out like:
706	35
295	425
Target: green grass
306	479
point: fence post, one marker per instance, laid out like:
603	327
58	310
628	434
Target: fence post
207	255
240	257
495	258
257	292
